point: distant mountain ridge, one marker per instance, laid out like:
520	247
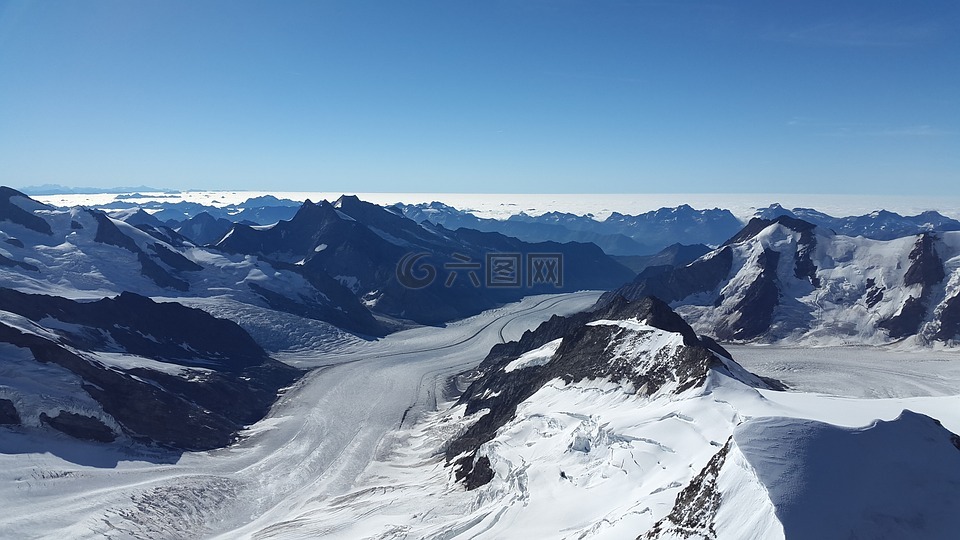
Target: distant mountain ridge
879	225
619	234
57	189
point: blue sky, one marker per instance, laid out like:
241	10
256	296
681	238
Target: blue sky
495	96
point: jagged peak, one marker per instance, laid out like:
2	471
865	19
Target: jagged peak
310	211
346	202
757	225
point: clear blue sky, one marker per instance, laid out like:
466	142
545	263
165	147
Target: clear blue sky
483	96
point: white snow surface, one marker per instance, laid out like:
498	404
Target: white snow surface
312	447
894	479
837	312
537	357
355	449
73	265
590	460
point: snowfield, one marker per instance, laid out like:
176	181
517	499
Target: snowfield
593	460
355	450
320	436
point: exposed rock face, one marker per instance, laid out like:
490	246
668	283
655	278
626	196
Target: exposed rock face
8	413
594	346
950	320
696	507
673	255
805	267
927	267
756	307
79	426
204	228
143	327
926	270
10	263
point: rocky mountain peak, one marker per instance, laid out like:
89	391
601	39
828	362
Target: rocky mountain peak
640	344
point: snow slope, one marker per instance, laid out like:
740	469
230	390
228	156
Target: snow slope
788	282
356	450
314	444
595	459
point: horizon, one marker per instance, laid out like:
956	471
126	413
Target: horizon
569	97
598	205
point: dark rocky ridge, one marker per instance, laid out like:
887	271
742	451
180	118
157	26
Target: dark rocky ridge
670	283
5	261
364	244
695	509
204	229
926	270
13	213
79	426
949	320
142	327
8	413
619	234
759	301
584	353
202	411
672	255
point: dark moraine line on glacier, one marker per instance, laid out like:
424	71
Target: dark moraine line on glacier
371	394
321	435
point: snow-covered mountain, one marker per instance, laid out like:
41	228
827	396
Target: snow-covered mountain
787	280
781	477
622	421
362	245
128	367
82	253
879	225
262	210
642	346
205	229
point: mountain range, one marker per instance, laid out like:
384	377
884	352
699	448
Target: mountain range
787	280
76	288
626	420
